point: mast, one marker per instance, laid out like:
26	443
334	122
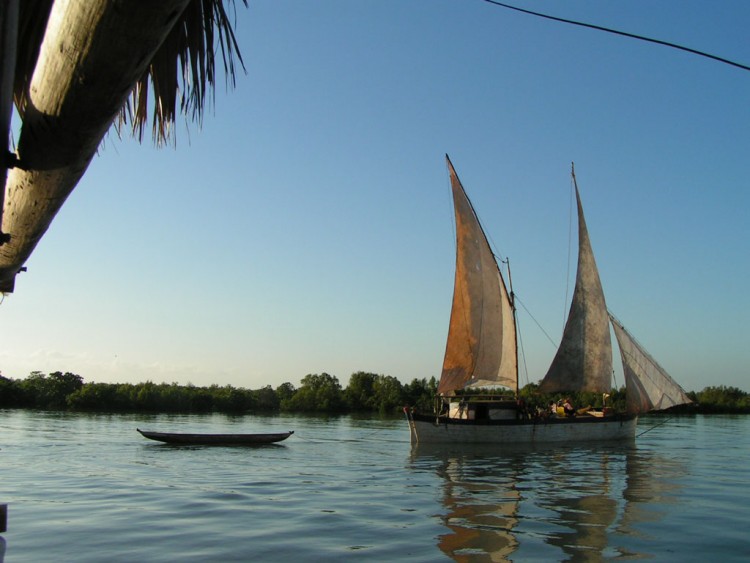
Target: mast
512	296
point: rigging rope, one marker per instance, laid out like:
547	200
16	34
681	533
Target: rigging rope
536	322
654	426
623	33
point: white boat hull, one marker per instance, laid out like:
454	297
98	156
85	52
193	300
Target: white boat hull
431	430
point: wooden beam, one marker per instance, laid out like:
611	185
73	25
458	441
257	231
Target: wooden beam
8	43
92	54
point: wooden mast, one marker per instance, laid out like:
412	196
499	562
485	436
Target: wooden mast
515	318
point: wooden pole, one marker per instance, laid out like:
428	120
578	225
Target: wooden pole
3	518
93	53
8	44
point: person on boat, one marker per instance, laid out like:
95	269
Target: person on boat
552	408
462	408
522	412
569	408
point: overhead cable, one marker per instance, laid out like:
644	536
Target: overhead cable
623	33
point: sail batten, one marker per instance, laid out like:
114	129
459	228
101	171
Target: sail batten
584	358
649	386
481	346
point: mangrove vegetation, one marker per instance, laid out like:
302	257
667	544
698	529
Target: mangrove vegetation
322	393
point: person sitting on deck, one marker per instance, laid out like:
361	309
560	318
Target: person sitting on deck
568	408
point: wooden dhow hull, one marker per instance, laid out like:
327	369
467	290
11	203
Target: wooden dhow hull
215	439
429	429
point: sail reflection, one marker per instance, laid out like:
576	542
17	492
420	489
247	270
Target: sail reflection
480	498
653	480
564	504
580	495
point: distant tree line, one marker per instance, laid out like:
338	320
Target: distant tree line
719	399
365	392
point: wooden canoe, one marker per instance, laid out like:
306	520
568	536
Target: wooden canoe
215	439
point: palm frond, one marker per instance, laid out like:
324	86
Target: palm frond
185	67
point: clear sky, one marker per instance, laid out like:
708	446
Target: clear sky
308	226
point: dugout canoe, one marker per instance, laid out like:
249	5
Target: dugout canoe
215	439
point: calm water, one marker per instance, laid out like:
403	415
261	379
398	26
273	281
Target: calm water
89	488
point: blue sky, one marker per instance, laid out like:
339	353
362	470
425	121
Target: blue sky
307	227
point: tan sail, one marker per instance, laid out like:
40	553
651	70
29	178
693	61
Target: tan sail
481	347
584	359
649	386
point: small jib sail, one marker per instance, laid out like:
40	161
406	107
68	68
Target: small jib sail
649	386
481	346
584	359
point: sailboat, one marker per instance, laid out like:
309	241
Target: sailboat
482	353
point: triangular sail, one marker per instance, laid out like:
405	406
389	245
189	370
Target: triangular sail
648	386
584	359
481	347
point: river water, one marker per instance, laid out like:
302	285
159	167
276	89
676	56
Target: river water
88	487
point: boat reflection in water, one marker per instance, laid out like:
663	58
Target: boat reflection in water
564	503
652	482
581	491
480	498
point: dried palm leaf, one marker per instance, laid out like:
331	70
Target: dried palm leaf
184	67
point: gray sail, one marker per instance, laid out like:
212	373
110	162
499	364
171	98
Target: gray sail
584	359
648	386
481	346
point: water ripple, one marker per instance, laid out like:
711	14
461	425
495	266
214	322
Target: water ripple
87	488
